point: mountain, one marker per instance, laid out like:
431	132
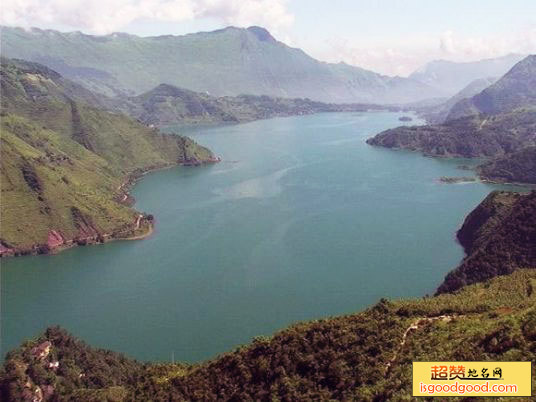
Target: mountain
450	77
499	237
516	167
467	137
437	113
226	62
501	119
168	105
515	89
363	356
66	163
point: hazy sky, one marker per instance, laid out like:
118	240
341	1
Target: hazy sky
388	36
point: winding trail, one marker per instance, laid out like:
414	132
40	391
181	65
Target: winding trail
415	325
138	220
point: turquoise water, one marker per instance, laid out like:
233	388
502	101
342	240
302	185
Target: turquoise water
301	220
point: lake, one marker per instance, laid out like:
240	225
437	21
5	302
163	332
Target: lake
300	220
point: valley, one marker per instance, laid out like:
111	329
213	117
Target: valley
292	242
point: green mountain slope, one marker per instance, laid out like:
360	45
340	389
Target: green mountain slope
230	61
499	236
364	356
64	162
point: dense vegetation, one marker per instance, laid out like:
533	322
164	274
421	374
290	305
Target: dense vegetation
499	236
229	61
64	162
169	105
364	356
472	136
516	167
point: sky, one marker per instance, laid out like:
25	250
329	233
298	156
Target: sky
393	37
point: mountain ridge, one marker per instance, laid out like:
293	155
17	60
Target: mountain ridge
451	76
229	61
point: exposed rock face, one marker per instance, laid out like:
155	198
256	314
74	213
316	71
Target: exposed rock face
54	240
499	236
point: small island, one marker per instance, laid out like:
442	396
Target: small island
405	118
454	180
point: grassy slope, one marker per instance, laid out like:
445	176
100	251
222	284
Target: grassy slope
64	160
358	356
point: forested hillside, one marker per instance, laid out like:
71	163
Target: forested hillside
363	356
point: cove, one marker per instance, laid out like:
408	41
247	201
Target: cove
301	220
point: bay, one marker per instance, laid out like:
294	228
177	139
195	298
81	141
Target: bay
301	220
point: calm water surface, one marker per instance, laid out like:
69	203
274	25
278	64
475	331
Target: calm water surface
301	220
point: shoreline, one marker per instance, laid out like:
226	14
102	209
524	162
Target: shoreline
123	197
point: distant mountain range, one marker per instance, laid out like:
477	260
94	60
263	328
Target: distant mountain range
450	77
230	61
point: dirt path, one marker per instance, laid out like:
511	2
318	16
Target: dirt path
415	325
138	221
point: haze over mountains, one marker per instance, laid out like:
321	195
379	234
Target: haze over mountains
451	77
230	61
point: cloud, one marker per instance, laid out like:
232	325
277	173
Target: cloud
105	16
403	55
446	42
475	47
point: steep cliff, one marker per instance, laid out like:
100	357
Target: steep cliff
499	237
